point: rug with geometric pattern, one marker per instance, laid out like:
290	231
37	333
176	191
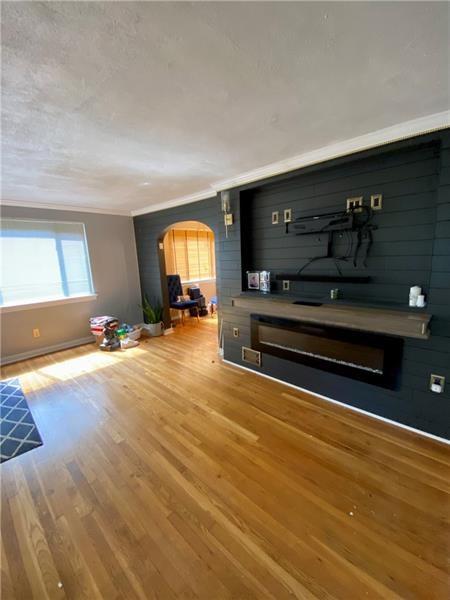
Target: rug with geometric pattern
18	431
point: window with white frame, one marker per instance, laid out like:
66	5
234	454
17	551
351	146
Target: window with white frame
43	260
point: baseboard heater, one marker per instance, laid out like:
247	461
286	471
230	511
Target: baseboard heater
365	356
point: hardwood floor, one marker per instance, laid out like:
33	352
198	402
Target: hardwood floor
167	474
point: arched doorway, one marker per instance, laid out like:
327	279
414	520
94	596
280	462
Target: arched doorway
187	249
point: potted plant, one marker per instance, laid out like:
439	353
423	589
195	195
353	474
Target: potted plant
153	317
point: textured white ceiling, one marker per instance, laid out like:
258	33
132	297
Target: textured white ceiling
121	105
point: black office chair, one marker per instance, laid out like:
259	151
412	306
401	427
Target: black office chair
176	290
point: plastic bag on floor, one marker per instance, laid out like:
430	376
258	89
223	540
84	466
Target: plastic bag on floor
127	343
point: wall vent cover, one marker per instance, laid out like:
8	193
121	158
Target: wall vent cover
251	356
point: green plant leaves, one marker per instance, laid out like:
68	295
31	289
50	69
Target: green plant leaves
153	314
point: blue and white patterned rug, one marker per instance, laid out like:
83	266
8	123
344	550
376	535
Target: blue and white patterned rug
18	431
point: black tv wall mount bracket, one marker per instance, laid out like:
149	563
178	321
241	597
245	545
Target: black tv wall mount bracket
356	220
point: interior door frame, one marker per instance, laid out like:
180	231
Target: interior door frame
163	270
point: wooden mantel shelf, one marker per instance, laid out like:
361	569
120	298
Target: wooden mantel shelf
375	320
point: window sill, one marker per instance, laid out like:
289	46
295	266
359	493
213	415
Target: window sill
47	303
198	280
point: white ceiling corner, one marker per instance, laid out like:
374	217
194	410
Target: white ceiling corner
132	107
68	207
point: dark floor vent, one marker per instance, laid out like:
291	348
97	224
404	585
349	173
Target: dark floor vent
251	356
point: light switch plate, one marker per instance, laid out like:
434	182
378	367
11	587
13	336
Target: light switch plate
376	201
228	219
287	215
286	285
354	204
275	217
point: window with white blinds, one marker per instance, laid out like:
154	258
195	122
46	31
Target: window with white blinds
190	254
43	260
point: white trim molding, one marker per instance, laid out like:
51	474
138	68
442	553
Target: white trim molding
380	137
66	207
203	195
343	404
198	280
47	350
47	303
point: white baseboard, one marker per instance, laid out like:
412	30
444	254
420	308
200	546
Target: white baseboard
349	406
6	360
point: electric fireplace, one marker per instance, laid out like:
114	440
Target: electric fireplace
361	355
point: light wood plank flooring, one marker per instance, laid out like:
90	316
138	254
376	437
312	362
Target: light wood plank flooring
168	474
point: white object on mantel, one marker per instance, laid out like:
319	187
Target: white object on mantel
414	294
420	301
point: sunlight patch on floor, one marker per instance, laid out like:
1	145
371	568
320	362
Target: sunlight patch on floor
75	367
65	369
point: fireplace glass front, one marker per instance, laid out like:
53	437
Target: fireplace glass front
366	356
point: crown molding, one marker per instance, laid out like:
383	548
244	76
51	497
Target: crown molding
66	207
395	133
381	137
203	195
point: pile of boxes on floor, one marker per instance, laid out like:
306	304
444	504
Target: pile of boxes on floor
111	335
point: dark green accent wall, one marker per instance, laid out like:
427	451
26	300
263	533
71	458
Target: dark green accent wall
411	246
149	229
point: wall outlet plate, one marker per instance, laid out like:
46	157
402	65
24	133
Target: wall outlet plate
36	333
228	219
376	201
437	383
354	203
286	285
235	331
275	217
287	215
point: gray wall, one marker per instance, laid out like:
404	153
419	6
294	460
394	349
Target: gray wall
115	276
411	245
